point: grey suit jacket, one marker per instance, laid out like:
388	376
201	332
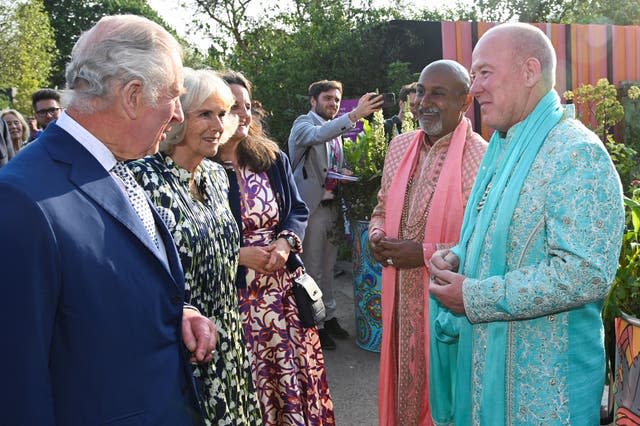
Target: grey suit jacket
310	172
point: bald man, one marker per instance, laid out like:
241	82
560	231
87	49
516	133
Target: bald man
534	263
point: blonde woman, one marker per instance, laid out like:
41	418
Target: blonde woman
190	193
18	128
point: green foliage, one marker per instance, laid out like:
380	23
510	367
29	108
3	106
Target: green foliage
365	158
629	97
624	294
408	121
312	40
69	18
399	74
27	50
556	11
599	108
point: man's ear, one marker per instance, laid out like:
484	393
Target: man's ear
132	98
313	102
531	71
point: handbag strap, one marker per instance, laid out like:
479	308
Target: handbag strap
294	262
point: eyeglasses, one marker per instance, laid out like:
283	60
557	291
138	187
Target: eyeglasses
48	111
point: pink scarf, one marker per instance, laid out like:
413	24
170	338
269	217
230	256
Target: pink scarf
443	225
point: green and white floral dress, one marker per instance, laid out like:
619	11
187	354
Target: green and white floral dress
207	241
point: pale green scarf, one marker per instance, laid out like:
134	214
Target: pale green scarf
505	168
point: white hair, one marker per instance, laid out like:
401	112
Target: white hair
116	51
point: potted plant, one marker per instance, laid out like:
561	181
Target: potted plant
621	315
365	158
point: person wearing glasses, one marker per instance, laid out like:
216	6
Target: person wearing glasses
46	106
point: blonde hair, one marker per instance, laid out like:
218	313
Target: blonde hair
25	127
200	85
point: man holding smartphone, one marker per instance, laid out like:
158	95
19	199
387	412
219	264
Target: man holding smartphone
315	148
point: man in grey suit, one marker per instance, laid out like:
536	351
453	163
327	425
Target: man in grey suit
315	148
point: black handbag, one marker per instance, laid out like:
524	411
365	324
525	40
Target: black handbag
307	294
308	298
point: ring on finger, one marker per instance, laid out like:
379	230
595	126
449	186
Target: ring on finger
389	261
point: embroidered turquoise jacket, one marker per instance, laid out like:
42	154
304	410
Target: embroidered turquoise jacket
564	242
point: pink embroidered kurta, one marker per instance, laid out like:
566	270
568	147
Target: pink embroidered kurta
434	221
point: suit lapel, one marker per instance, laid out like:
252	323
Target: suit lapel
96	183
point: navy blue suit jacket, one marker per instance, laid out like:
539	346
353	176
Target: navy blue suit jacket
91	313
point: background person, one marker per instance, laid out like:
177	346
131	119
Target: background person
18	129
534	263
427	178
6	146
97	335
393	125
287	361
33	127
190	192
46	107
315	148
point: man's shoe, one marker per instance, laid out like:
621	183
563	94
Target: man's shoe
326	342
334	329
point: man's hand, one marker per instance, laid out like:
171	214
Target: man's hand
256	258
404	254
445	284
367	104
375	237
199	336
444	260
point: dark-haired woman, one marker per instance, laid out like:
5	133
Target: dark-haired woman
287	361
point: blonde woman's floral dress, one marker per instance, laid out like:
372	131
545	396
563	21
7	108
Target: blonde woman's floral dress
207	240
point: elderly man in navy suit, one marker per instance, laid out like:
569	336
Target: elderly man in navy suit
96	329
315	148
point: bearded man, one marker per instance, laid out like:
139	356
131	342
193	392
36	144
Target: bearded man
428	175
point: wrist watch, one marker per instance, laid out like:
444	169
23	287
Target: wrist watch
291	240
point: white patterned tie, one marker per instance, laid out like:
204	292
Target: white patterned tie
137	199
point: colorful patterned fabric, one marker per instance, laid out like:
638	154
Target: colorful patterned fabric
562	252
287	361
334	147
404	380
207	240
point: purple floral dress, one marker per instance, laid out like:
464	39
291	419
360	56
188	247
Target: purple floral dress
287	361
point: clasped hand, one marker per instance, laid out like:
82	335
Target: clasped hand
199	335
267	259
445	283
404	254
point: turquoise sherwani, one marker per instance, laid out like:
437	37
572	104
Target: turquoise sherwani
563	244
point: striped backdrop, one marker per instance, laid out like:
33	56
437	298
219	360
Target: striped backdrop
585	53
